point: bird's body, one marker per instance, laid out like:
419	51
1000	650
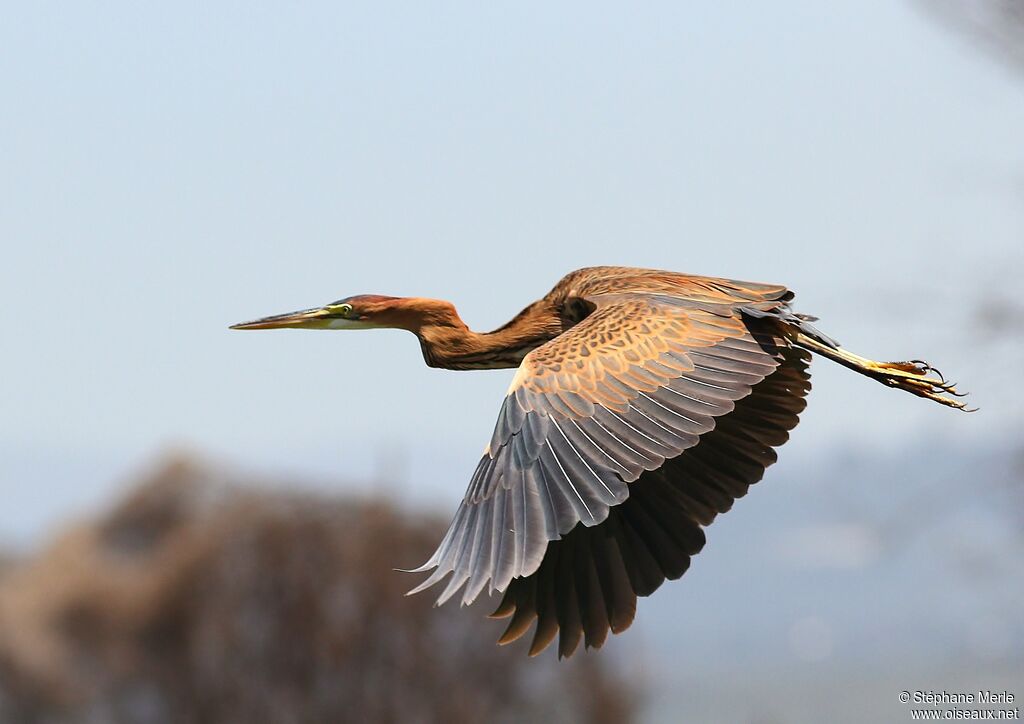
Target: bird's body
644	404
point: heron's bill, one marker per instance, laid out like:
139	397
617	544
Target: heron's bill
319	318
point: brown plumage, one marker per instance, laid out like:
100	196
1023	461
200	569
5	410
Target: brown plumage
645	403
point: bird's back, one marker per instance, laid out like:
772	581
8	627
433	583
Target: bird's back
602	280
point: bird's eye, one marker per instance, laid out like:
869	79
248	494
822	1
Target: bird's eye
343	310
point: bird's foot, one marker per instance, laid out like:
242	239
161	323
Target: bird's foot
914	377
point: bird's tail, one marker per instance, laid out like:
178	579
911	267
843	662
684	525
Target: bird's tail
915	376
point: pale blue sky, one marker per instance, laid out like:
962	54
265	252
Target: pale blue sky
167	171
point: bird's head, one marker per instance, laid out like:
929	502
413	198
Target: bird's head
365	311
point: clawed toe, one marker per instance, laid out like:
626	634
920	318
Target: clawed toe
912	376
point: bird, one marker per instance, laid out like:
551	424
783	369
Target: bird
644	403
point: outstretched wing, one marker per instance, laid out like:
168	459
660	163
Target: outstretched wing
589	580
636	383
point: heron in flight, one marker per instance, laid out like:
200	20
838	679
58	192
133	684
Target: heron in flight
644	403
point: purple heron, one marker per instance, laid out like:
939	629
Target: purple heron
644	404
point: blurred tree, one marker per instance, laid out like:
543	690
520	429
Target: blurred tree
201	600
996	25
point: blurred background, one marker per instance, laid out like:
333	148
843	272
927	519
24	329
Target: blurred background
201	525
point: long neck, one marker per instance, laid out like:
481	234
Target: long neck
449	343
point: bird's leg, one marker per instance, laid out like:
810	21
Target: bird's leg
911	375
